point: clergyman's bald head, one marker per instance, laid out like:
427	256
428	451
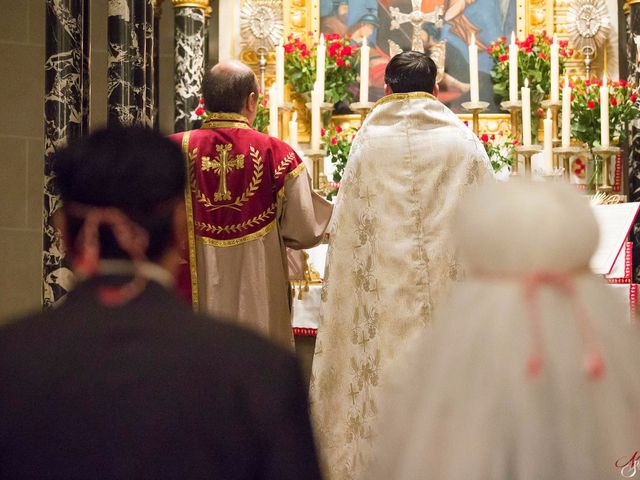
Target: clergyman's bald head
227	86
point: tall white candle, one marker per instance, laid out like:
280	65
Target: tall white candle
273	111
566	113
526	113
293	131
555	69
548	142
513	69
473	69
280	73
316	99
320	64
604	112
364	71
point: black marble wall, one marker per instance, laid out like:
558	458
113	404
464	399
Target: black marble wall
632	29
66	111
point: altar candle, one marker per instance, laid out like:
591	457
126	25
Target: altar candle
604	112
513	69
526	113
316	99
555	69
273	111
473	69
364	71
320	65
566	113
293	131
548	143
280	73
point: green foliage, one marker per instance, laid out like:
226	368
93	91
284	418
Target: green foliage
338	145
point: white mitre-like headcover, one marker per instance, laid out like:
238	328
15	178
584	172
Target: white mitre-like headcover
519	227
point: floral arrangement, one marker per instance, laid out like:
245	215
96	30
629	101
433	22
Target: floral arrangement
338	142
261	123
585	110
500	149
534	63
341	67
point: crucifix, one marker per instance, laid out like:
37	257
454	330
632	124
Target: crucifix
222	164
417	18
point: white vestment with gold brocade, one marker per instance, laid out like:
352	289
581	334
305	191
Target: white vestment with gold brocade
390	261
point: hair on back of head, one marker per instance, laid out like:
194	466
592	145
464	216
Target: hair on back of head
411	72
135	170
226	89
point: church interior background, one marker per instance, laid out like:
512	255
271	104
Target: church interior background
70	66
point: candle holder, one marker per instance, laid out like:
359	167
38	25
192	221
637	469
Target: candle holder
555	107
514	110
362	108
564	154
317	159
554	175
605	153
527	151
475	108
286	107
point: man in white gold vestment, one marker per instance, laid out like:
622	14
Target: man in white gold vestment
390	257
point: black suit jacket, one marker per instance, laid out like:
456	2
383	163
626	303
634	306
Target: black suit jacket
147	390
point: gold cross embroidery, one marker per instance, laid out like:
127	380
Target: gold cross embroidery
222	164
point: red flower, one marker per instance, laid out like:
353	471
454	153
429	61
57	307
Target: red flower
466	122
573	97
347	64
623	83
503	39
492	137
289	48
339	62
201	101
633	98
528	50
338	128
614	102
323	132
542	55
587	83
200	111
489	50
540	112
563	43
345	52
334	140
590	104
484	138
304	53
504	58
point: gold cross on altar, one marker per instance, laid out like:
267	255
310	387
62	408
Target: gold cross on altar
417	18
222	164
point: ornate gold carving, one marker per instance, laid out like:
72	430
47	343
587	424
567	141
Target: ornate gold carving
222	164
204	4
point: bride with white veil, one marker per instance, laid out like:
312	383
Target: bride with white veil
531	368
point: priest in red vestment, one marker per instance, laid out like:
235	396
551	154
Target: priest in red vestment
248	197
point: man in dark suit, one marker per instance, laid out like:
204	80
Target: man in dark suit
122	380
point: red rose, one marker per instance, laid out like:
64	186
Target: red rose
484	138
201	101
492	137
614	102
590	104
563	43
489	50
304	53
540	112
323	132
339	62
334	140
528	50
587	83
200	111
573	97
623	83
466	122
338	128
345	52
504	58
503	39
347	64
289	48
632	98
542	55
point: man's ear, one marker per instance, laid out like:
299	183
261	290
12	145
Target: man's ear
387	89
436	90
252	102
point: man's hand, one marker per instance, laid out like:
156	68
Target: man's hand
361	32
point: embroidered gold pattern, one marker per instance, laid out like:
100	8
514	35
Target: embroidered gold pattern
284	164
403	96
238	227
238	241
190	224
222	164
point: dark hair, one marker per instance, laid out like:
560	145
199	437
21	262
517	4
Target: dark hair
133	169
227	89
411	72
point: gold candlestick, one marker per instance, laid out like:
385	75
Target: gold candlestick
605	153
475	108
362	108
514	109
286	107
317	172
527	151
564	154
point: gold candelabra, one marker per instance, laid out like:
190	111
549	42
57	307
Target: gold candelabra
362	108
319	179
514	109
476	108
527	151
605	153
564	155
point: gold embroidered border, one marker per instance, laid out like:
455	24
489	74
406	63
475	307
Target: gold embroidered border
403	96
190	225
225	119
238	241
238	227
296	171
226	125
226	116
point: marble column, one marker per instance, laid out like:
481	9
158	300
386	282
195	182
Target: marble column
190	49
632	25
157	12
129	82
66	112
